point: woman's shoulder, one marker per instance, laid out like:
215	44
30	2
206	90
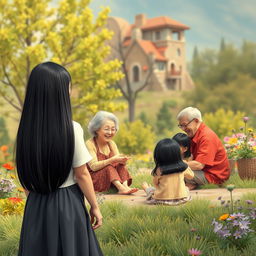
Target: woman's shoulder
90	142
77	126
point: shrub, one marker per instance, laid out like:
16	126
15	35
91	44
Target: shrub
164	118
222	122
135	138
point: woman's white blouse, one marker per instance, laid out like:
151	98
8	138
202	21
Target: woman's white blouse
81	154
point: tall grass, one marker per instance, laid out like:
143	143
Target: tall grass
163	230
148	230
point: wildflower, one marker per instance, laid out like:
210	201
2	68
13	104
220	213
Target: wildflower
15	199
230	187
198	237
20	189
8	166
244	224
6	186
222	202
194	252
224	233
253	214
13	176
4	148
237	234
250	130
219	198
238	215
249	201
193	230
246	119
224	216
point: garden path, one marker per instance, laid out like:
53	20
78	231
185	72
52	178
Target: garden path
139	197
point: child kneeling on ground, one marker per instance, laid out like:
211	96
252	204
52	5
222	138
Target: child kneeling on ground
168	175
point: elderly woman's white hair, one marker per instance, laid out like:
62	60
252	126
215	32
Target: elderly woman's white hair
97	121
190	113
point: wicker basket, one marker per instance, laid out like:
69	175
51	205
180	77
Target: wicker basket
246	168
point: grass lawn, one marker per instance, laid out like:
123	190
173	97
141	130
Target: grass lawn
151	230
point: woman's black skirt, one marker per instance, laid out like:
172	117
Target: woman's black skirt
57	224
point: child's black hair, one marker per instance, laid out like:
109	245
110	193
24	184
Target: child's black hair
167	157
183	140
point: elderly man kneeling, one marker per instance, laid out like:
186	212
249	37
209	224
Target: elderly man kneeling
210	163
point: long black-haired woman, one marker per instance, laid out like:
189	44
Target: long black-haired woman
51	162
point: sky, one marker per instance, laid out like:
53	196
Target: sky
209	20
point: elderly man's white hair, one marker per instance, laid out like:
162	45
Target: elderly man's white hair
190	113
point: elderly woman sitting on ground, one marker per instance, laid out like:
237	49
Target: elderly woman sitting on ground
107	166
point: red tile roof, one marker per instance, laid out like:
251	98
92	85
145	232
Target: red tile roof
149	47
163	21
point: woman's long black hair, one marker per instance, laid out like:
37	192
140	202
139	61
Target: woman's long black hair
183	140
45	139
167	156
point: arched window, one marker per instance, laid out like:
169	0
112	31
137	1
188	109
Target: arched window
136	74
172	68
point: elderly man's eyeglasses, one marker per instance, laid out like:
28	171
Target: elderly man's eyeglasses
183	126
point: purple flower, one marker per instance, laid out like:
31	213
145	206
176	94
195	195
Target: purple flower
217	227
238	215
222	202
244	224
237	234
249	201
194	252
253	215
246	119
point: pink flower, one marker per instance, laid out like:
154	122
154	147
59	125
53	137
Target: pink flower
194	252
226	139
246	119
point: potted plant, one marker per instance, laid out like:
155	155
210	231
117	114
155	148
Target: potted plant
245	152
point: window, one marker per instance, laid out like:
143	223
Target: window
178	52
158	35
160	65
136	74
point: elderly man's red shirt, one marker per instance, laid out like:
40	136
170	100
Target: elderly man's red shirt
207	149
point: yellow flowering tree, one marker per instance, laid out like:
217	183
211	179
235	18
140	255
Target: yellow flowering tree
35	31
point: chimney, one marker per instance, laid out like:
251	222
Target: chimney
140	20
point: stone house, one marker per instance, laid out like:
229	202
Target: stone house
155	45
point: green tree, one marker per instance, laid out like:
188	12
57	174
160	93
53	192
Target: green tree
144	118
224	79
33	31
164	118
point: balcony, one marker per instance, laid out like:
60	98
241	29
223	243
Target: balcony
173	73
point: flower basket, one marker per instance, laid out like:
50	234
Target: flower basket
246	168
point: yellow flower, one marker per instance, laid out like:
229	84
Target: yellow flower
250	130
20	189
233	141
13	176
224	216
